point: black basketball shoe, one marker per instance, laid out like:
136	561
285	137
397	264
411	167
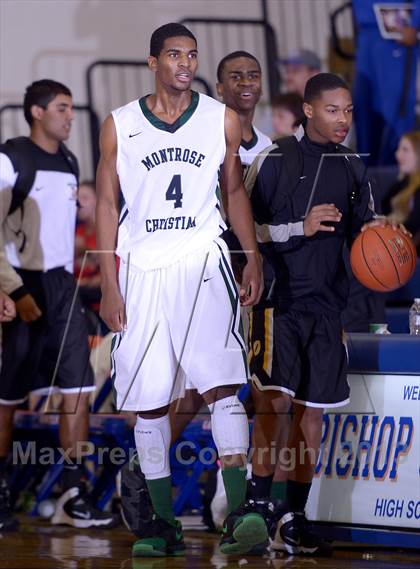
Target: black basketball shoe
292	533
74	508
266	509
136	505
160	539
7	521
243	530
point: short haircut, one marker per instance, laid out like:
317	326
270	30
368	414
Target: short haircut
292	102
234	55
41	93
320	83
166	31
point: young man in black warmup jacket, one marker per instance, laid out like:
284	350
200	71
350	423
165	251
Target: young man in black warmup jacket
310	218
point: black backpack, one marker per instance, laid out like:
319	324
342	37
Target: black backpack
288	146
290	177
293	170
20	152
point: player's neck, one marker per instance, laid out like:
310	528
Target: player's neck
168	105
45	142
246	119
314	135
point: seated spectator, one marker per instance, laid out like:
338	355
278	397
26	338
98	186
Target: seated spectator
402	202
87	270
298	68
286	114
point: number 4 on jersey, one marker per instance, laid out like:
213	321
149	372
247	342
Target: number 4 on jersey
174	191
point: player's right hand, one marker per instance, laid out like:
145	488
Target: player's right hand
252	285
7	308
112	310
27	308
315	219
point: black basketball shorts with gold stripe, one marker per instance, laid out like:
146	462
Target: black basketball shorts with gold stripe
299	353
262	357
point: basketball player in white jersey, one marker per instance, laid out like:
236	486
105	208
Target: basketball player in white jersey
175	308
239	87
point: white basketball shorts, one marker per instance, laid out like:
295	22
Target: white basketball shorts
183	323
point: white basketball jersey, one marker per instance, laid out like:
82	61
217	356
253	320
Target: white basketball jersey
169	177
249	150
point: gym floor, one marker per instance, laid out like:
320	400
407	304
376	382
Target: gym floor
38	545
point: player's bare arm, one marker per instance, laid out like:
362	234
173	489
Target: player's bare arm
238	210
26	307
107	212
7	308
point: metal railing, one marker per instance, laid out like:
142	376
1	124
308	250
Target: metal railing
111	83
84	137
335	37
306	24
217	37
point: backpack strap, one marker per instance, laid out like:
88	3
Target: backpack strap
20	152
71	160
292	164
358	173
358	176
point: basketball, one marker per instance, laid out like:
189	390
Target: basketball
383	259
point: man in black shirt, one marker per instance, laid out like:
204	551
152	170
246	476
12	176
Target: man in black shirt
310	215
46	347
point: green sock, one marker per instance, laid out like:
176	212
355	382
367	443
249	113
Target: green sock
278	490
161	495
234	479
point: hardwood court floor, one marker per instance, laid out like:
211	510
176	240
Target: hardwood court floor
40	546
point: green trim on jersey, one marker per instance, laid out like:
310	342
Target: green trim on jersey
218	190
233	283
180	121
234	299
251	143
115	344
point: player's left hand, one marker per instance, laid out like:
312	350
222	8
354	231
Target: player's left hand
383	222
252	285
408	36
7	308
